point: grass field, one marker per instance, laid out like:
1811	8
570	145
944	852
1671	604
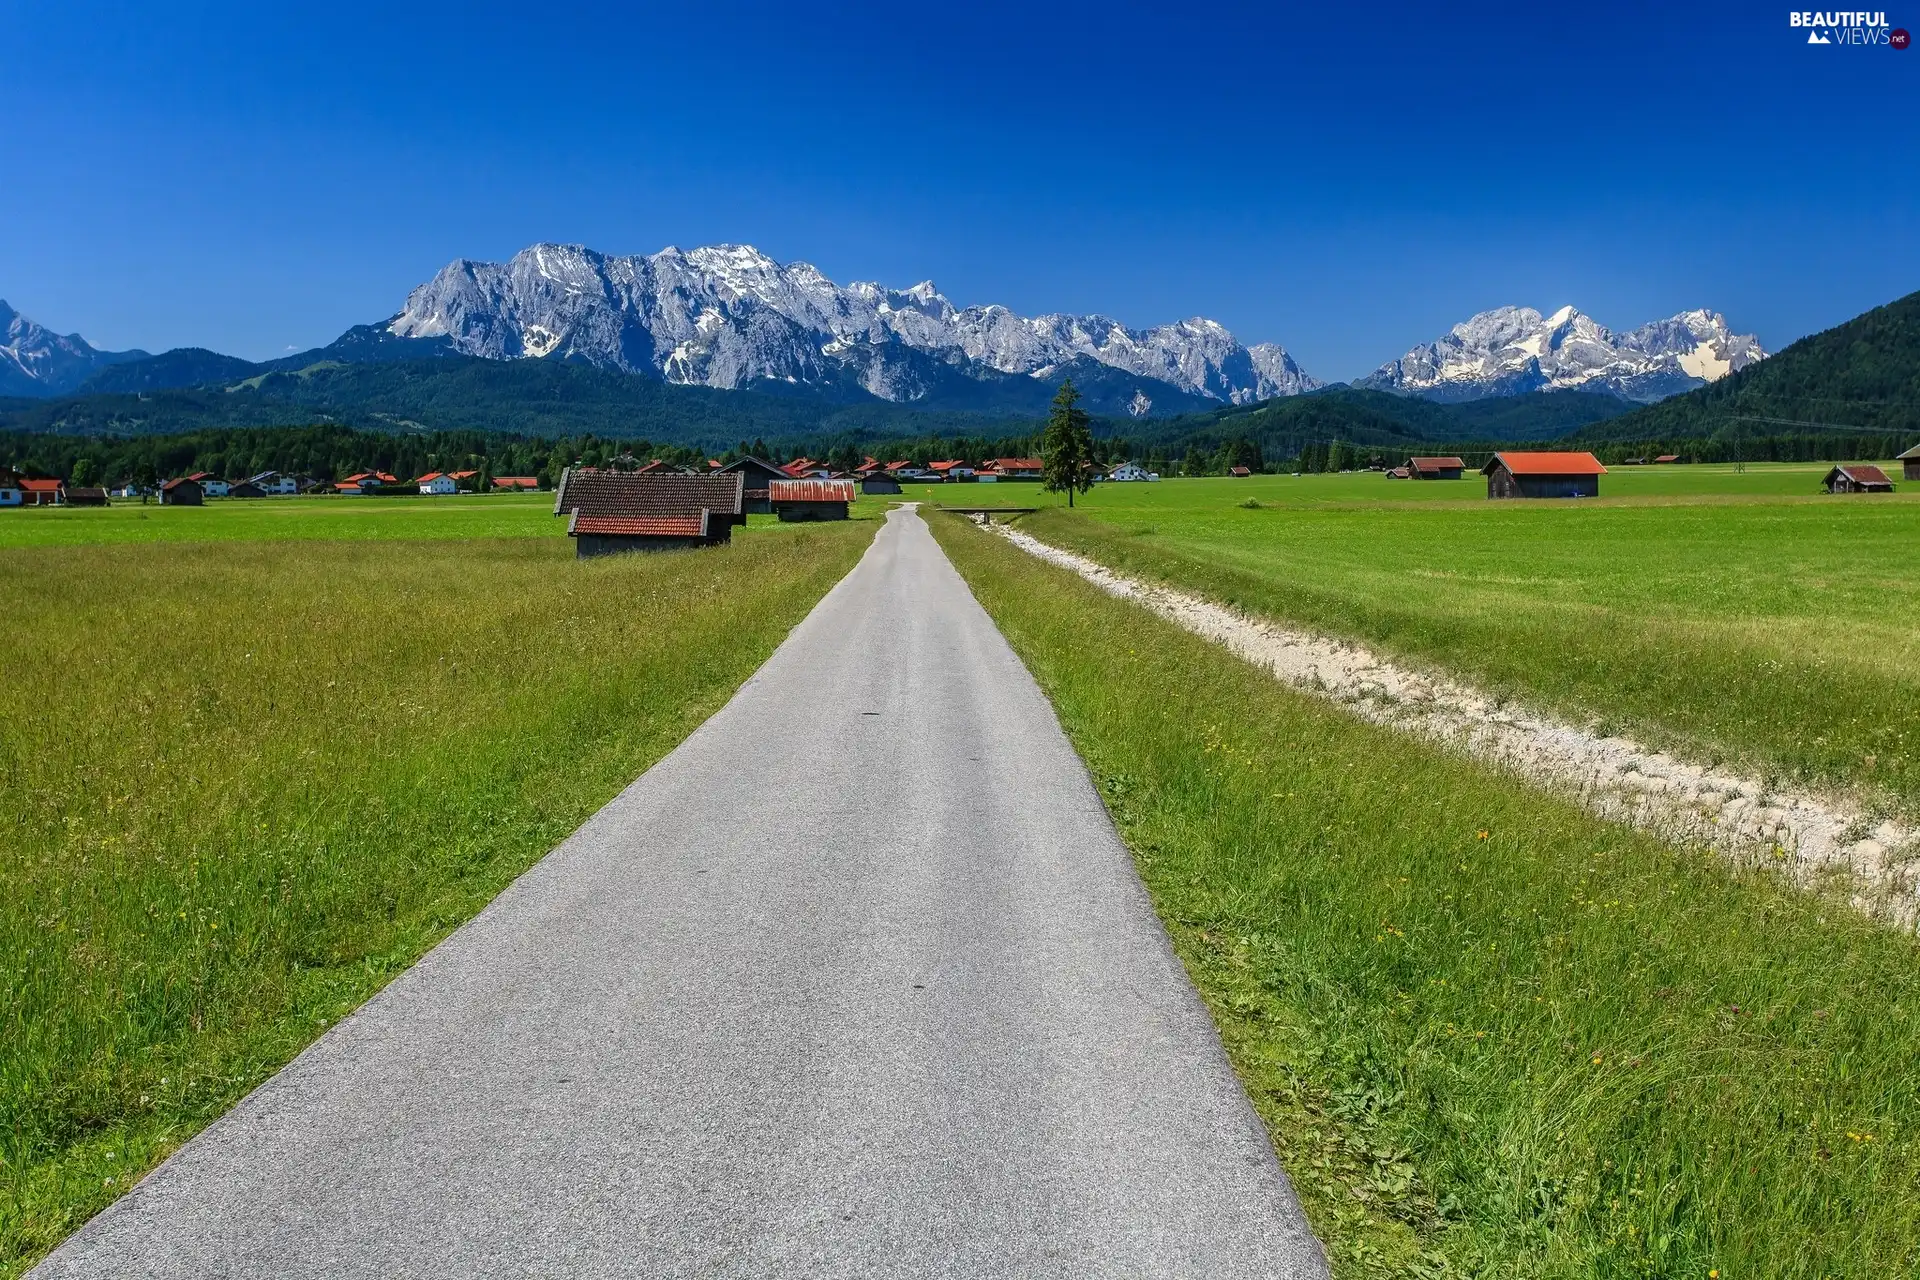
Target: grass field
248	781
1489	1034
1730	623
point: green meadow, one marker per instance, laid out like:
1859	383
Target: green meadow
260	760
1727	615
1489	1034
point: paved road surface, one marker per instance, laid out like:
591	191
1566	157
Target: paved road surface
857	982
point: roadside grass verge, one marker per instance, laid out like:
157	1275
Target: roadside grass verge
1489	1034
249	783
1776	635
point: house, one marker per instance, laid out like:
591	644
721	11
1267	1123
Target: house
811	499
1857	477
367	481
1132	471
211	486
127	490
272	484
759	474
245	489
1910	461
437	484
614	511
1239	473
953	470
11	494
86	496
1435	468
42	493
182	492
464	481
515	484
1017	468
1543	475
1667	458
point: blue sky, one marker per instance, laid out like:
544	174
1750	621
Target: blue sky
1346	180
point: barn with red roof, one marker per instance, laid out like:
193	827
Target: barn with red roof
1543	475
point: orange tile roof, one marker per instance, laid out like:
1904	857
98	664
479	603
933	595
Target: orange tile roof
1548	464
641	526
430	477
516	482
1016	464
810	491
1435	464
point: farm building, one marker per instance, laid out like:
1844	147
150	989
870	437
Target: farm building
1399	473
1131	471
245	489
1666	459
42	493
182	492
270	483
515	484
1015	468
953	469
1435	468
612	511
463	481
86	495
811	499
1239	473
11	494
759	473
879	482
1543	475
1857	477
1910	462
437	484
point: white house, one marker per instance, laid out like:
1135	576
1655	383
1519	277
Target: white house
1132	471
127	490
437	483
211	486
275	482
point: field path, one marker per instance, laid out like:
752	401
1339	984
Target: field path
857	981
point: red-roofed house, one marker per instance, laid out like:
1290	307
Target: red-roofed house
464	481
437	483
42	493
1016	468
1857	477
513	484
1543	475
183	492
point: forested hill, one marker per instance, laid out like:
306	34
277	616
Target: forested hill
1861	374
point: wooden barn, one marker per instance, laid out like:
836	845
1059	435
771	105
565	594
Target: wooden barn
1910	463
86	495
759	473
1543	475
1435	468
811	499
879	482
182	492
614	511
1857	477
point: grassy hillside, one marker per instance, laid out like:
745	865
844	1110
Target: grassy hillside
256	780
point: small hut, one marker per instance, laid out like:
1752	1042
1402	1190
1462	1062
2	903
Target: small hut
614	511
1910	462
1435	468
184	491
1543	475
759	473
1857	477
86	495
879	482
811	499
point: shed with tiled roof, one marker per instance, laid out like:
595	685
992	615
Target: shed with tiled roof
1910	460
609	511
1543	475
811	499
760	474
1448	468
1857	477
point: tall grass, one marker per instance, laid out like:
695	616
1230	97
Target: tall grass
1777	634
1490	1035
248	783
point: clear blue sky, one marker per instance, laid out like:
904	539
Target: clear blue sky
1344	179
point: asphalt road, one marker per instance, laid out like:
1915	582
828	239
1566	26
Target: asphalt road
858	981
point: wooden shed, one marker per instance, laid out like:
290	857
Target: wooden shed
879	482
183	492
613	511
1543	475
811	499
1857	477
759	473
246	489
86	495
1435	468
1910	463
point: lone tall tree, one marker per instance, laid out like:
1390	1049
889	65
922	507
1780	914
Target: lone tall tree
1068	445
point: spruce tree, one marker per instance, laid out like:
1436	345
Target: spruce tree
1067	445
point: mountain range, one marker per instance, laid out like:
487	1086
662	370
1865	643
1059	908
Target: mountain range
728	317
1515	350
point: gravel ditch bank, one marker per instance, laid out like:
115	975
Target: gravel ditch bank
1817	841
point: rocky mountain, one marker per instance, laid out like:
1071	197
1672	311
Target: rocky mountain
729	316
1514	350
35	361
